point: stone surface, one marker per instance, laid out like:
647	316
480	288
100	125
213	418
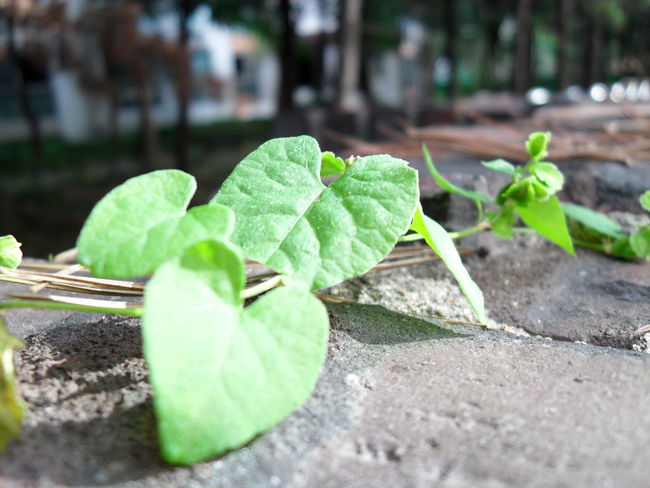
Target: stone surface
532	284
401	401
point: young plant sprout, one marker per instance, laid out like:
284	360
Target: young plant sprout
222	373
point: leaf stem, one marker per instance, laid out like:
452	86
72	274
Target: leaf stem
479	207
133	312
484	225
410	237
262	287
466	232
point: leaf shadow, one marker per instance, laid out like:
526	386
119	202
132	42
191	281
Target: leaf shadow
91	420
375	324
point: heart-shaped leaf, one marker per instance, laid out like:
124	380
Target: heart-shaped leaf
221	374
317	235
142	223
442	244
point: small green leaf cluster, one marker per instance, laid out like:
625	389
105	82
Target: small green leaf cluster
640	239
530	195
221	373
10	253
597	231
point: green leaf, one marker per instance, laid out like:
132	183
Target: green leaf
316	235
12	410
521	193
536	145
501	166
542	192
640	242
502	225
502	195
442	244
548	174
644	200
548	220
222	375
10	253
142	223
450	187
331	165
622	248
592	219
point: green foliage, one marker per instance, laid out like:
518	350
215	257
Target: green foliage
522	193
442	244
501	166
221	374
331	165
315	235
450	187
547	218
644	200
10	253
592	219
621	248
548	175
531	196
143	223
12	410
536	145
640	242
597	231
502	222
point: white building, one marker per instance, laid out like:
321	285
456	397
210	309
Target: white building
234	76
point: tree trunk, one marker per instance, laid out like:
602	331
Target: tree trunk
492	23
23	94
183	89
566	29
149	135
287	57
114	114
350	47
586	35
523	47
428	60
451	47
597	47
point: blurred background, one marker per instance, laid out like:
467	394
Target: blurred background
93	92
